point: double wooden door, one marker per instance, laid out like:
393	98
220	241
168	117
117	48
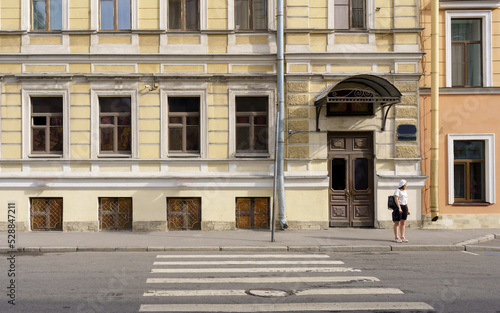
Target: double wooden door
350	166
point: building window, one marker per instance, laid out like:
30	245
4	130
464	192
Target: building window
46	213
47	125
115	125
252	213
184	213
252	124
350	14
469	60
115	14
47	14
183	15
184	124
466	43
250	14
115	213
471	168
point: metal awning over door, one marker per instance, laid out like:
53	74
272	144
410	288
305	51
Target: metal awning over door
359	90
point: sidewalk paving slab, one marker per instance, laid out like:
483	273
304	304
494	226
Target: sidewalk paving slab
330	240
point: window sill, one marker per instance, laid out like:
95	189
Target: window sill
184	155
114	156
45	156
252	155
471	204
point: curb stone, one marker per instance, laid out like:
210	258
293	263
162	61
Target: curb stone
8	250
481	248
335	248
478	240
94	249
32	249
255	249
406	247
303	248
57	249
188	249
131	249
157	249
371	248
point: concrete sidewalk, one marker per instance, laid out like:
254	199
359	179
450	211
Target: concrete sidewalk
334	239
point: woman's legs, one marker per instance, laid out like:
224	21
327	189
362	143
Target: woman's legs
396	226
402	228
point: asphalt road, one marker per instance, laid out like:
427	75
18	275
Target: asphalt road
129	282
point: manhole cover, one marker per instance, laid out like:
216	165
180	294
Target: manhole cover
268	293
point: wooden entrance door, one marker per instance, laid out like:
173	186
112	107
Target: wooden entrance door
350	167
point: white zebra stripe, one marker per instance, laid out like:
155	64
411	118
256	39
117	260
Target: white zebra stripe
250	263
260	280
286	307
258	270
244	256
309	292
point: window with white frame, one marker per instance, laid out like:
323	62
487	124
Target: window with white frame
250	14
47	125
183	15
468	49
471	169
184	125
466	60
46	14
45	122
350	14
115	14
115	125
251	122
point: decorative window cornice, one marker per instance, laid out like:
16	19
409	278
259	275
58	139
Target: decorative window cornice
468	4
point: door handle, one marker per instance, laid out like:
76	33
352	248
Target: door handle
347	193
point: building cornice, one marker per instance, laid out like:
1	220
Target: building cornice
484	4
463	91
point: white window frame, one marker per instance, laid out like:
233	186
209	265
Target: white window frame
369	14
95	15
489	164
164	15
271	114
39	91
485	16
26	15
95	131
196	92
271	14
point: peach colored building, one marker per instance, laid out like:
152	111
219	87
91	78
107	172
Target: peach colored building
469	113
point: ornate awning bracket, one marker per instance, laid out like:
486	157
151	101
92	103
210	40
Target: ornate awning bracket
318	110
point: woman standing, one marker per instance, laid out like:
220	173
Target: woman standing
401	212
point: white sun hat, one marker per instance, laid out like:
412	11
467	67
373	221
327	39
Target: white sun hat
402	182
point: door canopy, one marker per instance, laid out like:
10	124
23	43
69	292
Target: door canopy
356	96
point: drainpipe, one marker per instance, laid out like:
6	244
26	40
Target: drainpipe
434	110
280	136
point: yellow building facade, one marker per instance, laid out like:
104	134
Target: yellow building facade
469	93
161	115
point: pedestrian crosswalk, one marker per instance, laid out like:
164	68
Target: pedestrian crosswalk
225	282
